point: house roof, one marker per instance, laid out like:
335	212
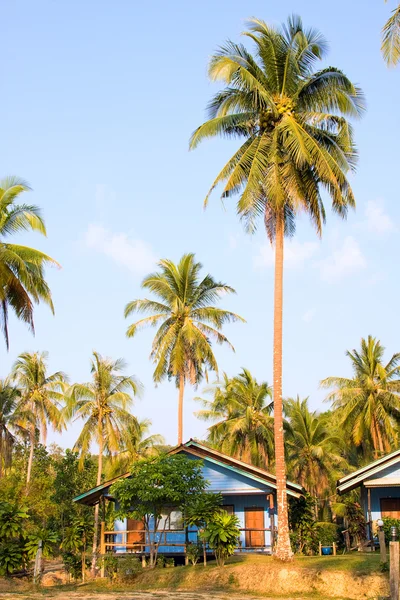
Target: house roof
361	476
203	452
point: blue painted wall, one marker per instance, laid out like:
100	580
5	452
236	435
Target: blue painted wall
376	495
237	490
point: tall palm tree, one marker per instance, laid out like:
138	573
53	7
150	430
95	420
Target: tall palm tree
313	448
242	408
22	282
369	402
187	323
12	422
391	38
41	397
103	404
138	444
295	141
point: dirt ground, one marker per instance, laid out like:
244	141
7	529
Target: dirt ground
170	595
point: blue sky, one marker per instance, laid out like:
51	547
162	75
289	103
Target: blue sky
99	99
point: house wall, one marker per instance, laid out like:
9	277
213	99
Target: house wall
376	495
238	490
240	502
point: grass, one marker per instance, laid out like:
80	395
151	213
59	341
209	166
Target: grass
244	576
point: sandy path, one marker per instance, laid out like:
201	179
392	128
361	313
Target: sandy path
170	595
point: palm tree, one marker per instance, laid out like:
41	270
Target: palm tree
103	404
296	140
187	323
242	408
313	448
12	420
138	444
41	397
391	38
369	402
22	282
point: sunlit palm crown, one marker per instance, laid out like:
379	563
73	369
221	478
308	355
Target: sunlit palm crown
12	420
369	403
242	408
391	38
187	322
313	447
104	404
138	444
292	120
41	394
22	282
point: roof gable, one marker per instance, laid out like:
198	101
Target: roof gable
249	478
386	466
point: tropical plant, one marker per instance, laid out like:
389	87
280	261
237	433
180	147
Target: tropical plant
242	408
41	397
43	537
12	421
296	140
222	535
368	404
177	482
13	555
103	404
313	449
201	511
22	282
391	38
138	444
187	322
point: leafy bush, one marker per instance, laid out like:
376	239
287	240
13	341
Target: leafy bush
73	564
222	534
326	533
194	552
301	522
169	563
128	568
12	557
110	564
388	523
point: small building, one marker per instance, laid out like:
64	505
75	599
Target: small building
379	484
248	492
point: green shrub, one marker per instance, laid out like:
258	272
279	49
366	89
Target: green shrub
194	552
12	557
222	534
326	533
110	564
128	568
73	564
160	562
388	523
169	563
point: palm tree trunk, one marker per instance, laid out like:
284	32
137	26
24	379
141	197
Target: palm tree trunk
180	408
283	549
96	508
30	461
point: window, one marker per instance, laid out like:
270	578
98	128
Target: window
171	522
390	507
230	509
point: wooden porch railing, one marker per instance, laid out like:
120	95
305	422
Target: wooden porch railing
163	541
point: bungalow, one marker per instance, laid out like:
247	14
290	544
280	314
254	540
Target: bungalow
247	491
379	484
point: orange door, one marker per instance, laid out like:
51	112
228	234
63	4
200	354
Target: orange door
135	533
390	507
254	520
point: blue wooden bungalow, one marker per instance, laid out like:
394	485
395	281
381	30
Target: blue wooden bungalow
247	491
379	484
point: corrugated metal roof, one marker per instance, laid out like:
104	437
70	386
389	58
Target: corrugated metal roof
92	496
353	480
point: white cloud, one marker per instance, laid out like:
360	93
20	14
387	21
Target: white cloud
134	254
344	261
295	253
308	315
376	219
